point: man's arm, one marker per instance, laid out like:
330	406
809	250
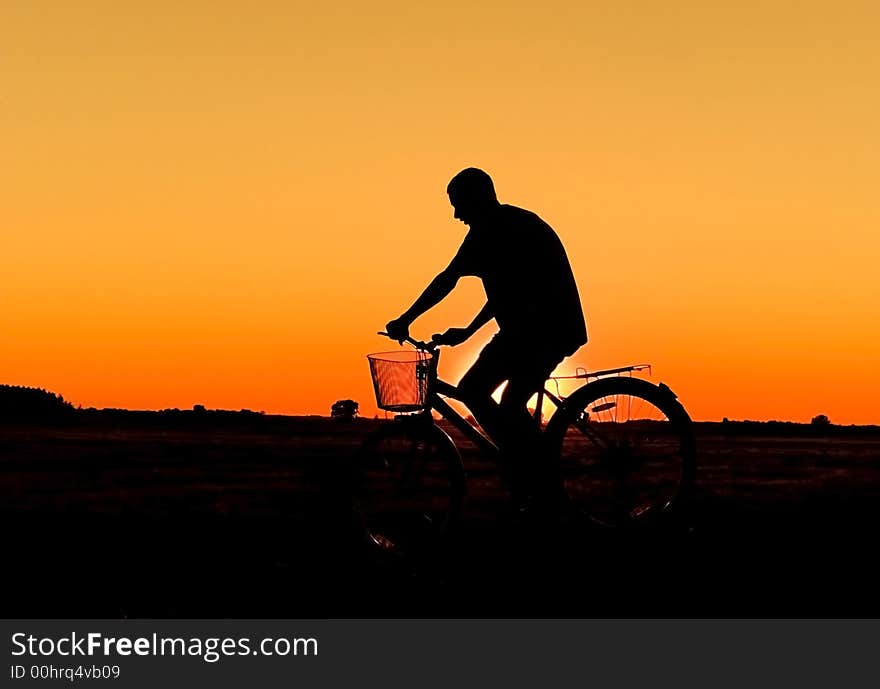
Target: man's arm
455	336
486	314
434	293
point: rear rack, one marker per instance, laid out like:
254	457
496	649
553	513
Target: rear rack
582	373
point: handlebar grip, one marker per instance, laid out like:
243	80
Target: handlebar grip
425	346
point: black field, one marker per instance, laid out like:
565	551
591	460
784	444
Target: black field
146	515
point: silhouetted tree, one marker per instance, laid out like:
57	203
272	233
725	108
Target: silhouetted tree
821	420
344	410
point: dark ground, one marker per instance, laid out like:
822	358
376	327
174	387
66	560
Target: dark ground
117	517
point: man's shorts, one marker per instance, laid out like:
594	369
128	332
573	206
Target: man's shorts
526	365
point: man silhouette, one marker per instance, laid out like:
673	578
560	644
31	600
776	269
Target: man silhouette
532	295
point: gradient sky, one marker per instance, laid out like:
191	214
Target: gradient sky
221	202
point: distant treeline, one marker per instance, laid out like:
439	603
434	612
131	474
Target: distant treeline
785	428
243	420
173	418
20	404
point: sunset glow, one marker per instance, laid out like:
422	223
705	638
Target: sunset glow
222	202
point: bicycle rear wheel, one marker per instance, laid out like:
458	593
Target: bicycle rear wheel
409	487
626	450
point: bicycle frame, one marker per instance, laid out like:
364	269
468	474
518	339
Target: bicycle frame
439	389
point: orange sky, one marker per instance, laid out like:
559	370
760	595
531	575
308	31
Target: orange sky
221	202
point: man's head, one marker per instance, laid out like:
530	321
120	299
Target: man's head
472	195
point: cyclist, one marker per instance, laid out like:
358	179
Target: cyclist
532	295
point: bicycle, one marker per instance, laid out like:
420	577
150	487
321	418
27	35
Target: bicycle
623	449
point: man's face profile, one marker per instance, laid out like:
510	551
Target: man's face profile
465	209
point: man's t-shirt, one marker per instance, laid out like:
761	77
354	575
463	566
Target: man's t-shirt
527	278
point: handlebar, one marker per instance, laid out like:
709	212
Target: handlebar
418	344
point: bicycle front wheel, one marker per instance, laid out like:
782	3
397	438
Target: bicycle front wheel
409	487
626	450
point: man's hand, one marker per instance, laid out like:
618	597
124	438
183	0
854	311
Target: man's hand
398	329
452	337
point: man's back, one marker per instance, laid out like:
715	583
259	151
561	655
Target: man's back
527	277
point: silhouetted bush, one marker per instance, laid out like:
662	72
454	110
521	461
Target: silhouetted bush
344	410
821	420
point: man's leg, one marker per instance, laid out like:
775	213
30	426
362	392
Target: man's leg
477	385
528	378
475	388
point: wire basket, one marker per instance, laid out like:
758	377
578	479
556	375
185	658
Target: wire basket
400	379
